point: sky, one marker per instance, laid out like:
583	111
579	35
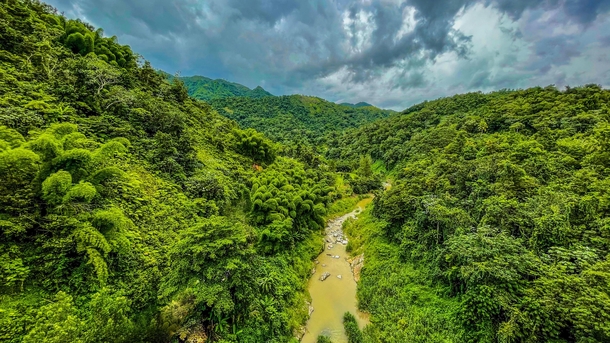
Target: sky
390	53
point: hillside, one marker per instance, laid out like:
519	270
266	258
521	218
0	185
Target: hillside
498	214
360	104
203	88
130	212
296	118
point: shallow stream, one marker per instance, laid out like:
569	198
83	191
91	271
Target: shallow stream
335	295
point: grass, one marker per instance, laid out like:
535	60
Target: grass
379	167
341	207
403	303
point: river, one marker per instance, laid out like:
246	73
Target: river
336	295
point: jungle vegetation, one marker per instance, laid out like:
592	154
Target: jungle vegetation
132	212
203	88
495	228
296	119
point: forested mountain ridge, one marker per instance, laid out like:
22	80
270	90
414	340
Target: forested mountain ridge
203	88
296	118
130	212
500	204
360	104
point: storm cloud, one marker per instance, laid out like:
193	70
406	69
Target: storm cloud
391	53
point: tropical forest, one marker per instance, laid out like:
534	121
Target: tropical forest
140	205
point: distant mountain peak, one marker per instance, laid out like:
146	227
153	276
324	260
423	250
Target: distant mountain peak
358	105
204	88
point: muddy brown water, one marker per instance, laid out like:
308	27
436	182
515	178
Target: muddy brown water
334	296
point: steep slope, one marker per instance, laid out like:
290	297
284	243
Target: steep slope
203	88
499	204
296	118
130	212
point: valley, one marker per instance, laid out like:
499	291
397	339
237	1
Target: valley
136	206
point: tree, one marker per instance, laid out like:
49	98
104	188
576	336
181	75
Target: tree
99	74
57	322
365	167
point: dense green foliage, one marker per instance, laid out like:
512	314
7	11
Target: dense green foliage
323	339
354	335
130	212
501	200
288	202
404	305
295	118
360	104
203	88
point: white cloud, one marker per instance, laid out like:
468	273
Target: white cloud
502	54
392	53
408	22
359	31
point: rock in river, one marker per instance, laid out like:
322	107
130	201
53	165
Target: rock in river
324	276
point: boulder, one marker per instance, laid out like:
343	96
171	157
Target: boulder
356	265
324	276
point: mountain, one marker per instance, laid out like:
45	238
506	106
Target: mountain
296	118
203	88
360	104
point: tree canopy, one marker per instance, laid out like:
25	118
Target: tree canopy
500	199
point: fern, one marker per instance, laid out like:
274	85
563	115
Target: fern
109	173
99	265
63	129
116	227
10	136
56	186
108	152
86	236
83	192
77	140
47	146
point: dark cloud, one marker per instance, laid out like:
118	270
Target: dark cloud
515	8
265	10
158	16
284	44
586	11
558	50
